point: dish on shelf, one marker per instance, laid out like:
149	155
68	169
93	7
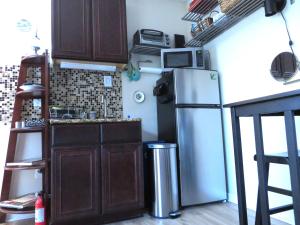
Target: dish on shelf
19	203
26	162
31	87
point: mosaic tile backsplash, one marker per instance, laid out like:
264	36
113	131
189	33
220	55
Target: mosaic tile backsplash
76	89
8	83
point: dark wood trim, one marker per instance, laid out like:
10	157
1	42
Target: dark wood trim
28	210
28	129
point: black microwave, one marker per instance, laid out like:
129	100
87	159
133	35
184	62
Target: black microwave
195	58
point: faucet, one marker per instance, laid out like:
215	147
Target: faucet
103	101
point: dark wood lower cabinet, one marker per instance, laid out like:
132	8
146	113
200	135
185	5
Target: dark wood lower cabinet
122	178
97	176
75	185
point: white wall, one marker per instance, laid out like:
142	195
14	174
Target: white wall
13	43
243	56
164	15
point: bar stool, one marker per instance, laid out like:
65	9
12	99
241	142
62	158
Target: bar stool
279	158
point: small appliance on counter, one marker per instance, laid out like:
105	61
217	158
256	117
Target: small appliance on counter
195	58
179	41
63	113
150	37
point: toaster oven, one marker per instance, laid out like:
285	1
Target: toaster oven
151	38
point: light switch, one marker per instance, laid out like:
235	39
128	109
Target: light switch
107	81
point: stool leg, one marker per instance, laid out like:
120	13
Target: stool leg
294	162
258	218
262	175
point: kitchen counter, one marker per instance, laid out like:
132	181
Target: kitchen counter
71	121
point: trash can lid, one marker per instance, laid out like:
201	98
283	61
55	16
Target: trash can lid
162	145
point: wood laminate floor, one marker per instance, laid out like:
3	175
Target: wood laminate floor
211	214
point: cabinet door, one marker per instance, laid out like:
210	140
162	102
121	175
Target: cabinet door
110	31
71	29
75	185
122	177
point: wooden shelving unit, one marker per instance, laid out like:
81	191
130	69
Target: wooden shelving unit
28	129
28	210
39	166
40	61
232	17
39	93
34	60
20	222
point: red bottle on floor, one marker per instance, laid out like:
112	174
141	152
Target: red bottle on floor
40	211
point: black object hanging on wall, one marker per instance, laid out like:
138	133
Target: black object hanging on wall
284	66
274	6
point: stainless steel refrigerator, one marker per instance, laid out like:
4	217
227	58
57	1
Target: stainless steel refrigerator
189	114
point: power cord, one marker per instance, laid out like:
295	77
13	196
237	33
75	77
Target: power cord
290	39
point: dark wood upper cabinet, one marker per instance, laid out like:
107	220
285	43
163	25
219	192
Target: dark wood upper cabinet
71	30
122	178
75	185
94	30
110	30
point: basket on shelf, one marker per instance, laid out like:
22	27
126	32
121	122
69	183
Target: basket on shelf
203	24
202	6
227	5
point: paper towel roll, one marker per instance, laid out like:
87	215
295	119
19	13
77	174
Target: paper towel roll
152	70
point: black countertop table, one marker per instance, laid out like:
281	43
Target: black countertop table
284	104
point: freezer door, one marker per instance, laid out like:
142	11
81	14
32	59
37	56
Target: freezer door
196	86
201	156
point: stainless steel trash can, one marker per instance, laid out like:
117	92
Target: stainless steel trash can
163	173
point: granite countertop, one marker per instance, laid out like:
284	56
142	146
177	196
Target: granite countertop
110	120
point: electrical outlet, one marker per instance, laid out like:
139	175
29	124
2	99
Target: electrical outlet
37	103
108	81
